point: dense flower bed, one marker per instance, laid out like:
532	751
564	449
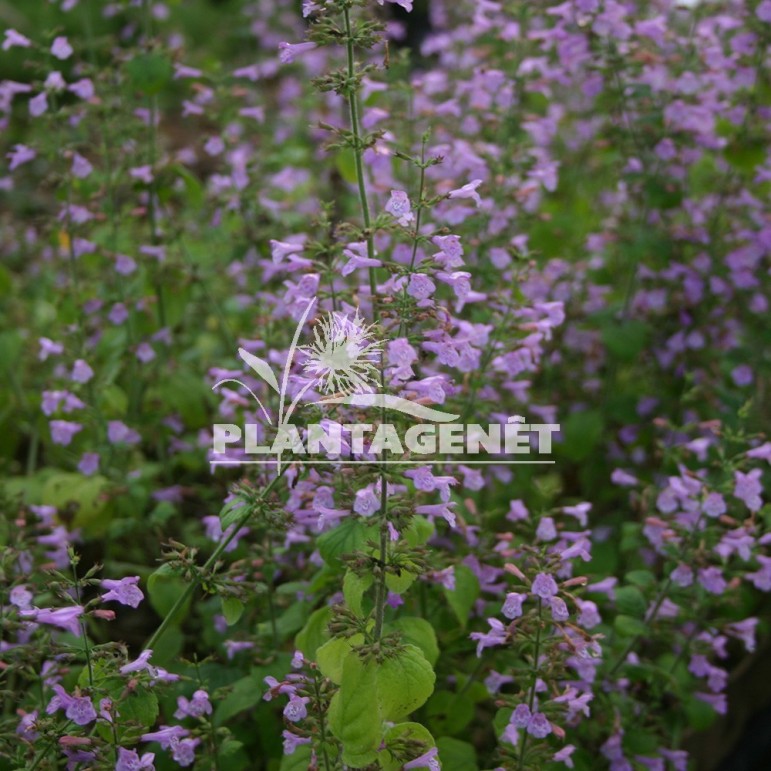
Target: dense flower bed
558	211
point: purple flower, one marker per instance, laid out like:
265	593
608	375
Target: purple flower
288	51
27	725
761	579
61	48
714	505
47	347
38	105
62	618
184	752
198	706
81	167
81	372
367	502
399	206
544	586
15	39
83	88
125	591
451	254
166	735
79	709
623	478
742	375
563	756
129	760
496	636
293	741
521	715
421	287
712	580
539	726
468	190
428	759
682	575
119	433
89	463
559	610
546	530
512	608
748	489
295	710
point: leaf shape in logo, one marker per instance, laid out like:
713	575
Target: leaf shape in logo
261	367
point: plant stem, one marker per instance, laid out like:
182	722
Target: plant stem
220	548
353	107
531	699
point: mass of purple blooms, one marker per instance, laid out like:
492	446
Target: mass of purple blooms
558	210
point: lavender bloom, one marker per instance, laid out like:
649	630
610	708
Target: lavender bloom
748	489
539	726
512	608
293	741
129	760
496	636
125	591
198	706
428	759
399	206
295	710
61	48
544	586
62	618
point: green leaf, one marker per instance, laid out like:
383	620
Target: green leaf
246	693
140	706
404	683
349	536
150	72
299	760
232	609
625	341
400	733
398	584
581	433
332	655
354	715
164	587
465	594
418	632
354	588
449	714
630	602
346	165
419	531
456	755
641	578
232	512
87	494
315	633
627	626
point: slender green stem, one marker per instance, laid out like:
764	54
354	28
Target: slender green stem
322	722
353	107
418	216
196	580
82	623
531	699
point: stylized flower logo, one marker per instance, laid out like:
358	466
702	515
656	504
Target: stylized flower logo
343	358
